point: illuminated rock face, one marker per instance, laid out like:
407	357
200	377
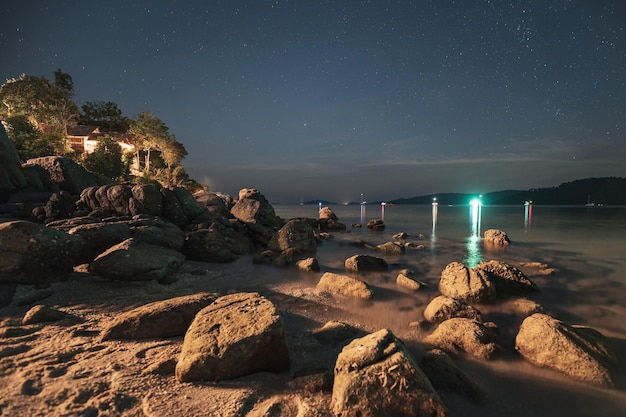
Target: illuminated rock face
376	376
238	334
464	336
579	352
467	284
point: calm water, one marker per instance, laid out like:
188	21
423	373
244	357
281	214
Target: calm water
586	245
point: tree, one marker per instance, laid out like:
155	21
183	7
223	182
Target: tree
106	159
28	140
148	133
106	115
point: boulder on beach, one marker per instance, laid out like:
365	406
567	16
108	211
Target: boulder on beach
295	234
403	280
508	280
160	319
461	335
33	253
391	248
222	241
471	285
238	334
442	308
581	353
345	286
134	260
376	375
365	263
495	238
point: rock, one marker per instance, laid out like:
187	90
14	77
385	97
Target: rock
296	234
253	207
33	253
69	175
11	176
147	199
442	308
377	376
467	284
401	235
579	352
495	237
160	319
446	376
365	263
409	283
327	213
507	279
220	242
41	313
237	335
334	332
308	265
61	205
461	335
173	209
376	225
390	248
330	224
344	285
134	260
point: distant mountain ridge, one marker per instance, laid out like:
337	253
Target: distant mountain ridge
604	191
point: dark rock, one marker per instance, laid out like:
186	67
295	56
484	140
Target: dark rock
365	263
446	376
508	280
295	234
67	174
390	248
376	225
33	253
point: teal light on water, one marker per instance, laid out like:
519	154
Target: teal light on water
473	241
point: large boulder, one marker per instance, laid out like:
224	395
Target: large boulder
160	319
295	234
236	335
345	286
223	241
365	263
376	376
253	207
494	238
460	335
11	176
442	308
33	253
458	281
69	175
135	260
579	352
508	280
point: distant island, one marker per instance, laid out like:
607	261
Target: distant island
588	191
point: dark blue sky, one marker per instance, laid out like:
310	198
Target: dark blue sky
331	99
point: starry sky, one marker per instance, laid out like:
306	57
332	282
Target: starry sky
309	99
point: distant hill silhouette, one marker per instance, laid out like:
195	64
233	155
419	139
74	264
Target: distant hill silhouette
606	191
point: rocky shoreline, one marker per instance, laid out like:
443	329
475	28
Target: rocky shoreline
139	301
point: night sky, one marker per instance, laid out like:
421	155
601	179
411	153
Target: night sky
331	99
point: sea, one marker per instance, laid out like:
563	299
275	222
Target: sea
584	246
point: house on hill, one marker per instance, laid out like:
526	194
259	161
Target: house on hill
84	138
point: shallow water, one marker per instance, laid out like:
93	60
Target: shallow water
586	246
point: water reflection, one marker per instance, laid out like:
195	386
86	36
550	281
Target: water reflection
433	239
473	257
528	214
